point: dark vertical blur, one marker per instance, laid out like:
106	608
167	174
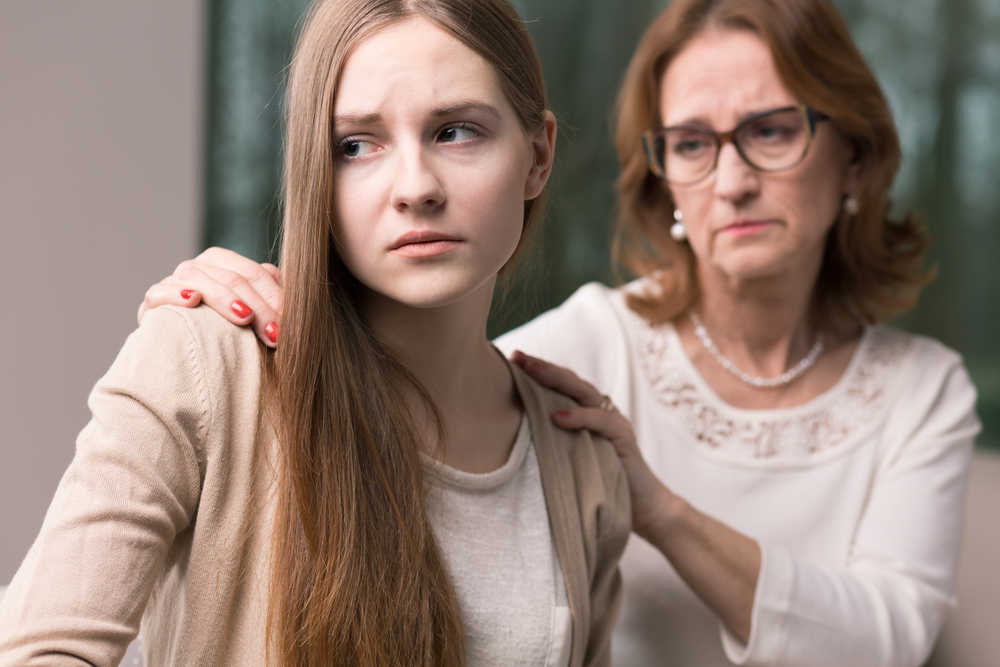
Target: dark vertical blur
938	60
250	45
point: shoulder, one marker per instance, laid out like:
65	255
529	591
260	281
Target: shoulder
540	403
926	353
581	467
189	369
931	397
904	347
194	341
200	330
919	365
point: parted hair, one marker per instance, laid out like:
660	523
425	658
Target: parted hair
873	266
358	578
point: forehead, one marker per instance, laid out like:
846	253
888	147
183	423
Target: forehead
721	76
413	63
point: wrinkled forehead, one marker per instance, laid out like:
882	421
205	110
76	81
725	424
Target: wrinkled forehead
720	77
410	64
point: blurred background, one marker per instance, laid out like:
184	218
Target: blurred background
938	61
134	134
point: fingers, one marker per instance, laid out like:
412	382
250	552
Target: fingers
164	294
275	273
200	286
235	270
259	284
611	425
561	379
239	289
647	492
241	300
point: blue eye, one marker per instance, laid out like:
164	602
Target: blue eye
457	133
352	148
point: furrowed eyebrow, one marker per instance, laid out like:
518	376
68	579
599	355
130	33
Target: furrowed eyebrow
467	106
701	122
357	119
374	118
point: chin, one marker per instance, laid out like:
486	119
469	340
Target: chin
419	294
752	266
430	301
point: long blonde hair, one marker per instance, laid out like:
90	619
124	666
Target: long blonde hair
358	578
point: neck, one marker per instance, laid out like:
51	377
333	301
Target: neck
761	324
446	348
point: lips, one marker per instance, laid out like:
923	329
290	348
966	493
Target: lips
745	226
424	244
422	237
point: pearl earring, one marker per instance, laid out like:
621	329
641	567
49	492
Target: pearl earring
677	230
851	206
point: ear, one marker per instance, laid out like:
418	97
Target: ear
852	173
543	151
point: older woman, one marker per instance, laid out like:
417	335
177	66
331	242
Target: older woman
800	470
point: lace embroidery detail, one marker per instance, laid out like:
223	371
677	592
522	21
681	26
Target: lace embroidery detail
830	426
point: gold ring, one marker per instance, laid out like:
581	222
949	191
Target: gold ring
607	405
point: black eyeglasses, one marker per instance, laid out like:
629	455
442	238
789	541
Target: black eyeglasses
772	140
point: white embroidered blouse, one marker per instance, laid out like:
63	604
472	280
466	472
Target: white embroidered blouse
854	497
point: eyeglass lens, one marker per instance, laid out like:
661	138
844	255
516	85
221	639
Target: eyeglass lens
771	142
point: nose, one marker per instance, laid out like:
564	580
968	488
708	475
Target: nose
416	186
735	180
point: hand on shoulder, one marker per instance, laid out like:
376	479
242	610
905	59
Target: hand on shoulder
241	290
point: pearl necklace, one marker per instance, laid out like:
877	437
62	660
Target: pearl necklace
761	383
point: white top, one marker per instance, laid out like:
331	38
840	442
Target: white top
494	532
854	497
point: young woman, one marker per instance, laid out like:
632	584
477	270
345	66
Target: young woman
385	489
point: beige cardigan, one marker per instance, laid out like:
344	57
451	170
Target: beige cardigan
154	519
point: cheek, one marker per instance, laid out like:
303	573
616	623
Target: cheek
495	196
356	210
818	188
815	200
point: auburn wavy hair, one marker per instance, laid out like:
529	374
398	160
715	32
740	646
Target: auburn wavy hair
357	577
873	265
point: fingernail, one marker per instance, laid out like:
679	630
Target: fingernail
241	309
186	293
272	332
563	414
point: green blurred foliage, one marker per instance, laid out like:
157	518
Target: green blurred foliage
938	60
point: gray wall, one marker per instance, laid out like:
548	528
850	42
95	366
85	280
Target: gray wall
100	116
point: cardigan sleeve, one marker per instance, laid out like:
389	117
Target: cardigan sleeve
886	606
132	487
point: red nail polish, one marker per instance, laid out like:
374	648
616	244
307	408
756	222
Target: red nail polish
563	413
186	293
241	309
272	332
